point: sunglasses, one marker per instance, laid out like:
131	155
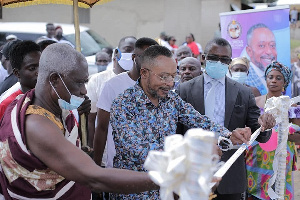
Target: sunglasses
225	60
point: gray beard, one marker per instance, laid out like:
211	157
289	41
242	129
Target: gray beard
152	92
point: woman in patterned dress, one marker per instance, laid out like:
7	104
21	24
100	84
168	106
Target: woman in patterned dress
260	157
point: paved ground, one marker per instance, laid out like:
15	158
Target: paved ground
297	180
295	32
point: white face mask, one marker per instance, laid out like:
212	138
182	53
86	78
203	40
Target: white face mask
240	77
126	61
75	101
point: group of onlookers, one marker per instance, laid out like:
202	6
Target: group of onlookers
140	95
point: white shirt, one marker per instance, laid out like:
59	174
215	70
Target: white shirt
94	86
110	66
294	14
110	90
219	110
10	91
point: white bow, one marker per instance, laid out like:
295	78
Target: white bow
185	166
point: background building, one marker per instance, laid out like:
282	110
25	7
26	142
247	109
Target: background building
118	18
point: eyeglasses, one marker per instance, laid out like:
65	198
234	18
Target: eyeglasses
166	78
216	58
174	40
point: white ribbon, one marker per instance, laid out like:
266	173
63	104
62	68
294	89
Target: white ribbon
220	173
278	107
185	166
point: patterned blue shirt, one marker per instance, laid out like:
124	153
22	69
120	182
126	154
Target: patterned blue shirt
139	126
255	81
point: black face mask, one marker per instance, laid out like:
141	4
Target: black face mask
59	36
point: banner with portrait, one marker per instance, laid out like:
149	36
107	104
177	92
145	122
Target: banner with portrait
261	35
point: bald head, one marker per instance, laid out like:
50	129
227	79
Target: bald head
261	46
189	68
183	52
190	61
59	58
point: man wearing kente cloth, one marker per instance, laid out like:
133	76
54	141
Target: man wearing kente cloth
39	141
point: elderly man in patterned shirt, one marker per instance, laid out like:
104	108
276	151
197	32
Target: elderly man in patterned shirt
145	114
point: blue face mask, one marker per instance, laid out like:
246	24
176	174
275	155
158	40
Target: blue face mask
75	101
216	70
101	67
240	77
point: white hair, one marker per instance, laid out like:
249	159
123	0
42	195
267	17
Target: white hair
59	58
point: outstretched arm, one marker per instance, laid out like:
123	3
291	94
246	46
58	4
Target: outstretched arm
51	147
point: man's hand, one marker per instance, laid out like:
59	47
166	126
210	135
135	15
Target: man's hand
267	121
85	107
217	181
240	136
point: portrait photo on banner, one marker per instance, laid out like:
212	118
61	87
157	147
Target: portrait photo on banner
261	35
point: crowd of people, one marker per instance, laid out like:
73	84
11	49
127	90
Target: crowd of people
145	90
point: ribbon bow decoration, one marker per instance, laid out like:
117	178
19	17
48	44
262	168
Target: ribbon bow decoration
279	107
186	165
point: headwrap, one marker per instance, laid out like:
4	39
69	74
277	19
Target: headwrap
284	70
240	60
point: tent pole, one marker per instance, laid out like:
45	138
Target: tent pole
83	119
76	25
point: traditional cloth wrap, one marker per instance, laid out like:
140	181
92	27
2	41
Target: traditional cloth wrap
22	174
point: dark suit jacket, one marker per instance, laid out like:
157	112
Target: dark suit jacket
8	82
240	111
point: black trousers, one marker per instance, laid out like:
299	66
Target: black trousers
227	196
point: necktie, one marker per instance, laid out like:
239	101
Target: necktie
210	101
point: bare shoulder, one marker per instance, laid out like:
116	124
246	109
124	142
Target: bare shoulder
41	133
47	142
37	125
